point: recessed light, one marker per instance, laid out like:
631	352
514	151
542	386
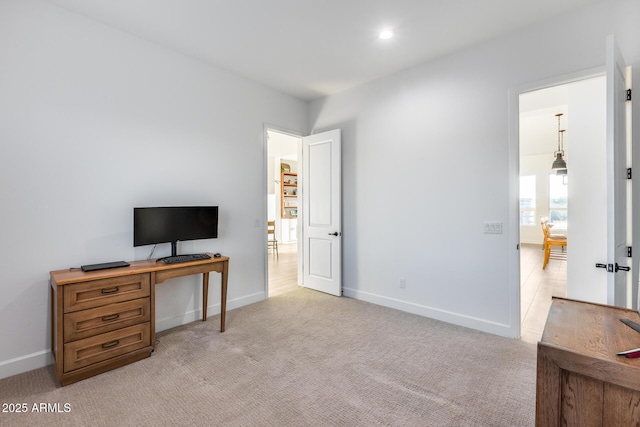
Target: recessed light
385	34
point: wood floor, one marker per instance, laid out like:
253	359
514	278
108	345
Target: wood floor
283	269
537	286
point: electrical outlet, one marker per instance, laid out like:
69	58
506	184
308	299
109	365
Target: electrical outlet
403	283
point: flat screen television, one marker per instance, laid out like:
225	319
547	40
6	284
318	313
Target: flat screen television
171	224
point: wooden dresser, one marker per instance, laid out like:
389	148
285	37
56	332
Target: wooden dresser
580	379
105	319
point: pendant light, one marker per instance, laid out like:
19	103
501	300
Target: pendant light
562	171
559	164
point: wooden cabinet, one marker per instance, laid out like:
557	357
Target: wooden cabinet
288	195
104	319
580	379
100	324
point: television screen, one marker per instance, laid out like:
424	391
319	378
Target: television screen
154	225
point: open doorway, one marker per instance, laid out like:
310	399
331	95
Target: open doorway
282	211
566	120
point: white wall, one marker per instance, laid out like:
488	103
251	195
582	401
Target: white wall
426	161
540	166
94	122
538	140
280	146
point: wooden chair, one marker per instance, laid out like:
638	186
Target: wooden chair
550	240
272	242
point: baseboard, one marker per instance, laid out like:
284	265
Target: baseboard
28	362
483	325
212	310
43	358
40	359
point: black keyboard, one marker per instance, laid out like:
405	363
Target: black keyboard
184	258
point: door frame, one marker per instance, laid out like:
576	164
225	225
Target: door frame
619	290
514	174
265	203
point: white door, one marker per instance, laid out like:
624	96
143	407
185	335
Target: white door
587	185
598	187
618	280
321	212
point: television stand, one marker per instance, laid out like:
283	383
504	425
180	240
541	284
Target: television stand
104	319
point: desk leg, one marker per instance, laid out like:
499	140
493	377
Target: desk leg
205	295
223	296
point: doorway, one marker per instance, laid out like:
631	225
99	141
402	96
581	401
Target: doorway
567	119
283	167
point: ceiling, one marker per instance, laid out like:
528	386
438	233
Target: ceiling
282	145
538	123
314	48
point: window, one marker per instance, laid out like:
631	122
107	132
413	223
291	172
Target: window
528	200
557	198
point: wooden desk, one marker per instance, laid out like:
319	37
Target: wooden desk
580	379
105	319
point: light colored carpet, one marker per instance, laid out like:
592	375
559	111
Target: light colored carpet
300	359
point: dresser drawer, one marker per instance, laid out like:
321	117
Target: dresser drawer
95	321
95	293
85	352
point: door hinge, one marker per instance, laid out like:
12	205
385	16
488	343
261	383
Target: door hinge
628	173
628	94
629	252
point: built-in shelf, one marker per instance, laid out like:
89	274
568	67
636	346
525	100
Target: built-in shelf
288	195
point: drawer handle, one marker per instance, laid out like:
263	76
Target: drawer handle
110	317
105	291
111	344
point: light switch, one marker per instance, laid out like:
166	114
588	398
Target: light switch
492	228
